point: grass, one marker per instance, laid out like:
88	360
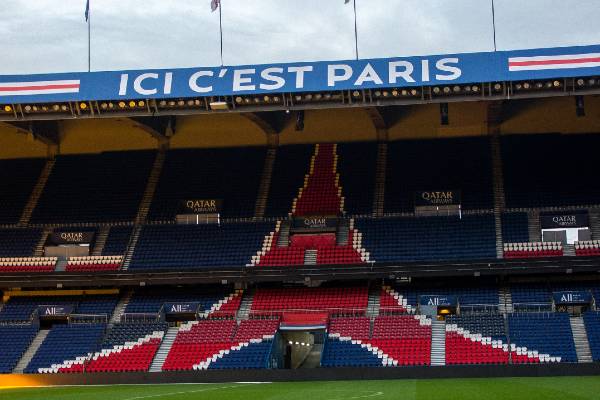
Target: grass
559	388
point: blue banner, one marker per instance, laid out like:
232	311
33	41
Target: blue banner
304	77
51	311
438	301
181	308
576	297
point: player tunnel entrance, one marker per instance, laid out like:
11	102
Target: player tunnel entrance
300	340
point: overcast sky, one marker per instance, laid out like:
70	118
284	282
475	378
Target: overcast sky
39	36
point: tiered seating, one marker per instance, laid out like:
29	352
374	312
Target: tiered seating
65	342
404	338
288	172
429	239
440	164
546	333
476	339
22	308
197	341
592	327
27	264
344	353
126	348
14	341
357	328
230	174
348	300
356	165
94	187
530	180
533	249
198	246
17	179
117	240
150	300
255	329
392	302
515	227
587	248
254	355
94	263
320	194
531	297
19	242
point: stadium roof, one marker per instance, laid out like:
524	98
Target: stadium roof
410	80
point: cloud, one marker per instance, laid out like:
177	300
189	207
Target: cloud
50	36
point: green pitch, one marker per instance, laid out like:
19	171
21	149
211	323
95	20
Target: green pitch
563	388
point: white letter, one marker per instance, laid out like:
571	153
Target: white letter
425	70
123	84
299	71
368	75
332	78
239	80
137	84
267	74
168	83
394	73
194	82
455	71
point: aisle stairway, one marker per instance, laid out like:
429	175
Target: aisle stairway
163	350
33	348
438	342
582	345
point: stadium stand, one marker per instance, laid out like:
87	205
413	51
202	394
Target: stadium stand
288	173
533	250
29	264
429	239
404	338
198	246
117	240
587	248
476	339
64	343
515	227
343	352
22	308
230	174
14	341
531	297
19	242
548	333
569	182
347	300
17	179
592	327
150	300
442	164
89	188
94	263
356	165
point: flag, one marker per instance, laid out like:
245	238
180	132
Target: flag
214	4
346	1
87	10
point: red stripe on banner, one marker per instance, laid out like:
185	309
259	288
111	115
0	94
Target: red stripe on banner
551	62
38	87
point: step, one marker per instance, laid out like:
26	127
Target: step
33	348
101	240
151	184
245	306
580	338
36	193
374	302
438	343
39	248
120	308
265	184
380	174
310	257
164	349
135	235
61	265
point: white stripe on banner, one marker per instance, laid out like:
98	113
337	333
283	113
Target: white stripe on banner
568	61
38	83
553	66
562	57
34	92
38	87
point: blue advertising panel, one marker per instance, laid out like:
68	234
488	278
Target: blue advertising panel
181	308
51	311
438	301
575	297
304	76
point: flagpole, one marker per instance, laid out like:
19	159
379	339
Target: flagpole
221	29
356	31
494	23
89	21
